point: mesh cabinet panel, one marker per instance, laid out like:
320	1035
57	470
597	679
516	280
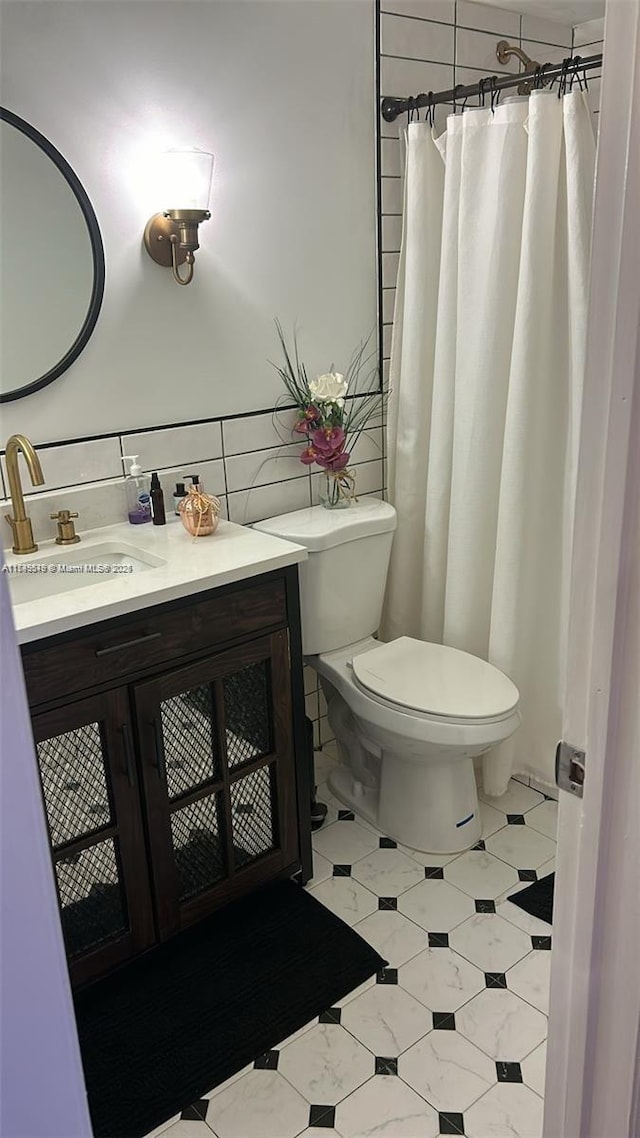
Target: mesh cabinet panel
187	730
91	897
247	704
198	846
253	812
74	783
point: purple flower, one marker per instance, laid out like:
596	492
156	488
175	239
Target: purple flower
308	455
328	440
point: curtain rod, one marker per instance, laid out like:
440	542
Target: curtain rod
391	108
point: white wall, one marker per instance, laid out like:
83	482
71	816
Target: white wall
282	91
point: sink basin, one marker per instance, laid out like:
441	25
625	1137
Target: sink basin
76	568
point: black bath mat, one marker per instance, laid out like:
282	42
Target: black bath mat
537	899
170	1026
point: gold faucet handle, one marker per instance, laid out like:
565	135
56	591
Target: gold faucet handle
66	530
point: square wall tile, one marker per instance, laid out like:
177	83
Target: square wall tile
392	196
391	154
486	18
590	32
478	49
390	263
416	39
73	464
546	31
403	77
391	234
247	506
443	10
544	52
388	304
258	432
175	446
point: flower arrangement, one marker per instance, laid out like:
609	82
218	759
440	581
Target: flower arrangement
333	410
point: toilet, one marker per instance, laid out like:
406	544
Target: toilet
408	716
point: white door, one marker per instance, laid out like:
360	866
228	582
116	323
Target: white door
593	1081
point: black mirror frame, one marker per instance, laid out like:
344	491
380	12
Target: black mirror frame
97	250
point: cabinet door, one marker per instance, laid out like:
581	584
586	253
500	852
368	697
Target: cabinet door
89	785
217	761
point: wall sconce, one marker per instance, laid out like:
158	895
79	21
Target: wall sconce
171	237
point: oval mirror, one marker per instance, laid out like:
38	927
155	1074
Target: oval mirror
51	261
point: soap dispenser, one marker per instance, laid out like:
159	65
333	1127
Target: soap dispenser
137	488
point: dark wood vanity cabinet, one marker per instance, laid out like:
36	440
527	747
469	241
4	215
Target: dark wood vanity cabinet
180	780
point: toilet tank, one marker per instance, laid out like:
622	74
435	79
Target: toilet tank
342	582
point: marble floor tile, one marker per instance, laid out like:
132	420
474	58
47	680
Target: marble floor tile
533	1069
544	818
502	1025
517	799
326	1064
490	942
345	842
346	898
423	858
436	905
480	874
387	872
508	1110
386	1019
492	819
186	1128
440	979
447	1070
530	979
393	935
322	869
533	926
262	1104
385	1107
521	846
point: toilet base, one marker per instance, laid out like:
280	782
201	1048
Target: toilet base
430	810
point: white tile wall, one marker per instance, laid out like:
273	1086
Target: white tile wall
176	446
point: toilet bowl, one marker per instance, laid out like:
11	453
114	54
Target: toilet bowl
408	716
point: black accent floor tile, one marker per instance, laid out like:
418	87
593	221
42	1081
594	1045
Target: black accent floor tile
435	871
332	1015
508	1072
527	875
444	1021
485	906
495	979
387	976
541	942
346	816
386	1066
387	844
322	1116
515	819
197	1112
438	940
479	845
342	871
267	1062
450	1122
387	902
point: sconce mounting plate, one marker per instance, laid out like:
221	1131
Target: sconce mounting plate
157	239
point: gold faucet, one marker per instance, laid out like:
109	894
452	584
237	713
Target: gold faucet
20	524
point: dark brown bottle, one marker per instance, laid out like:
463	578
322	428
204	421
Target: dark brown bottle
157	502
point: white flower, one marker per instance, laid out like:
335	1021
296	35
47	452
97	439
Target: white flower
328	388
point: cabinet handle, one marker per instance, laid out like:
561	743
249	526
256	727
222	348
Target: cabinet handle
128	753
160	760
128	644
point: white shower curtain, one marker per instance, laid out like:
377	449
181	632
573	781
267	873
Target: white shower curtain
484	412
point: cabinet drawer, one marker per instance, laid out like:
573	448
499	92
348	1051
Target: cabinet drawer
151	637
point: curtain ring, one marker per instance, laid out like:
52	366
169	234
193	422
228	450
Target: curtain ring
538	79
458	87
576	67
562	83
481	83
495	94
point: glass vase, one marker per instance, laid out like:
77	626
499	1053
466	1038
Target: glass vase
338	489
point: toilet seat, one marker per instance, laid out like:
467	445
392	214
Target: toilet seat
434	681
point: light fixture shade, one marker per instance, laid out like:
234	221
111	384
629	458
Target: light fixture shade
186	179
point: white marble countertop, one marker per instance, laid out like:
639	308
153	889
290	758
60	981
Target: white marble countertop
181	566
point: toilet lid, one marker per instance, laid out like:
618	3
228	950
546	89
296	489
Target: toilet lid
435	679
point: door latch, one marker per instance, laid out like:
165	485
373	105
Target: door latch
570	768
